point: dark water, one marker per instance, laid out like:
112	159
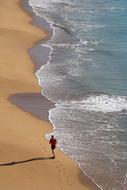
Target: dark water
86	76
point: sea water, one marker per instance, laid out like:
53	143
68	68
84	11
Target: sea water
86	77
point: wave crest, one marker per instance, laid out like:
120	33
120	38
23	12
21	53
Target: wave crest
99	103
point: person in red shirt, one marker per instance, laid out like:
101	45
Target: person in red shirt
53	142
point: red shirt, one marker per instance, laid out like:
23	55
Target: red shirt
53	142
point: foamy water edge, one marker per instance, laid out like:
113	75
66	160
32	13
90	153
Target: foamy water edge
48	135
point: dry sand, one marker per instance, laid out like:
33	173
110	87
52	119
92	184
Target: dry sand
24	151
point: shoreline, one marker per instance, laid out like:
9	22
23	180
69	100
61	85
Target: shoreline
40	22
20	141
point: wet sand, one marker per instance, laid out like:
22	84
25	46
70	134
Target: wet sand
34	103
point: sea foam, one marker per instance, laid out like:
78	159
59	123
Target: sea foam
99	103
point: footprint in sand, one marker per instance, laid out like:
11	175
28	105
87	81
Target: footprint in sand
62	172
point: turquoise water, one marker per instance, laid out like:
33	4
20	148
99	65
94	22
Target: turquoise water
86	76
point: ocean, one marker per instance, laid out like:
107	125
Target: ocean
86	77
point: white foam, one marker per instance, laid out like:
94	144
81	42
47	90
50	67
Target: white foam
114	9
99	103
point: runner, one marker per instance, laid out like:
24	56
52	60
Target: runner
53	142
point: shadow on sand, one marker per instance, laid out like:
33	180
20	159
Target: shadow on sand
23	161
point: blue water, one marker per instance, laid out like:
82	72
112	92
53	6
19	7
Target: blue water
86	76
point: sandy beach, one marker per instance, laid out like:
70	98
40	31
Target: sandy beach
25	162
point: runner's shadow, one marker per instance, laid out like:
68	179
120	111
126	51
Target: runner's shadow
23	161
